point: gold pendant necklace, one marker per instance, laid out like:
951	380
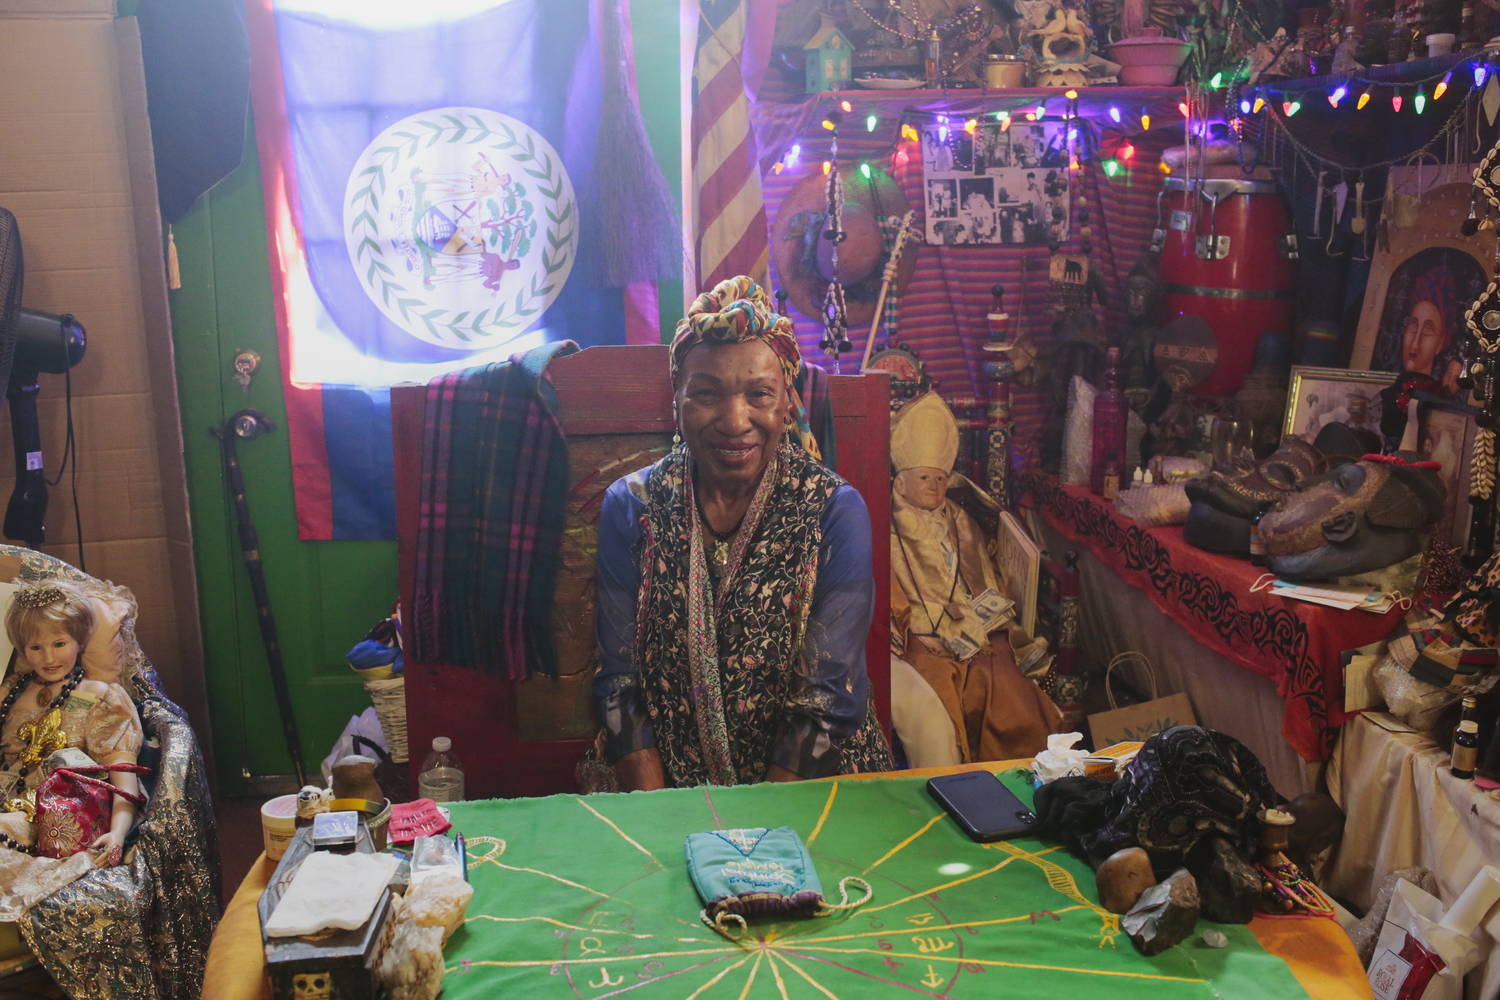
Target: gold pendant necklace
721	557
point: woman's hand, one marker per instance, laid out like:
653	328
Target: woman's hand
775	772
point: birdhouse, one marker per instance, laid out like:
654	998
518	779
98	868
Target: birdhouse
830	59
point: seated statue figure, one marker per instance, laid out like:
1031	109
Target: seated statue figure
949	618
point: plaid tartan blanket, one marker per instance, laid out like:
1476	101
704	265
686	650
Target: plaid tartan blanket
494	485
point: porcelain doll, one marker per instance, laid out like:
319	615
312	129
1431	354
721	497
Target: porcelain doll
47	704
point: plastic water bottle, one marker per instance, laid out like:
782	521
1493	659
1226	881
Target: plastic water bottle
442	776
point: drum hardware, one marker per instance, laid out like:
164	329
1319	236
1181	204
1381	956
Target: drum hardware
1212	246
1158	234
1288	246
1181	221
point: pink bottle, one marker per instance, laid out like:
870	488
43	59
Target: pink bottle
1110	413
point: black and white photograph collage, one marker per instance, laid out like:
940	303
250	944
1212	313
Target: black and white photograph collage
996	185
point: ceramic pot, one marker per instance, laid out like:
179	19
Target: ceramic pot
1147	61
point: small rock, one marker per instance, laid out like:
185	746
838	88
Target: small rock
1228	885
1122	878
1164	915
1215	939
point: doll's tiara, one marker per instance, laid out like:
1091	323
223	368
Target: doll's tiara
39	597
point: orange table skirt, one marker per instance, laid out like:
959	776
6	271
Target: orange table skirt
1318	952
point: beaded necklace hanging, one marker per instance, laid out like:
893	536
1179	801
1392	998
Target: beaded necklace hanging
43	737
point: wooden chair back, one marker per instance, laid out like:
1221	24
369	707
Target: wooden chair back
520	738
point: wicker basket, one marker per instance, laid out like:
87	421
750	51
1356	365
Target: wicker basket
389	699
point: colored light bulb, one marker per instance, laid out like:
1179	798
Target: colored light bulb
1420	101
1127	151
1111	167
1145	122
830	126
1290	108
1260	102
871	122
827	166
1245	106
1339	93
793	153
970	126
1396	101
1217	81
846	105
1114	114
1442	87
1182	106
1005	124
864	169
1480	72
1363	100
1071	95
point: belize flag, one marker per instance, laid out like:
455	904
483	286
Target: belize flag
426	169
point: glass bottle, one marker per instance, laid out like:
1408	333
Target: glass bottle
1257	547
933	65
1110	413
1400	45
1111	475
442	776
1465	749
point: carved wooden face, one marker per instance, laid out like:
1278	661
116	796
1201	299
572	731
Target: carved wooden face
1358	517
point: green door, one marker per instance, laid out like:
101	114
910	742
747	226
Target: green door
325	595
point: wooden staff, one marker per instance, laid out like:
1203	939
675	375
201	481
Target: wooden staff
902	235
252	424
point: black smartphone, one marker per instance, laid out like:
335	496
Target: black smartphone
983	806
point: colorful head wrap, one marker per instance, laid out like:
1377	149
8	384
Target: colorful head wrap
735	311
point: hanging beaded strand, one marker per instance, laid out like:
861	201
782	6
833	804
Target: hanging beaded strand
835	318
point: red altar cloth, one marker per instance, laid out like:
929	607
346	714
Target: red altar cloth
1294	643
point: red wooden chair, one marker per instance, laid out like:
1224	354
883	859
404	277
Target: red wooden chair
525	737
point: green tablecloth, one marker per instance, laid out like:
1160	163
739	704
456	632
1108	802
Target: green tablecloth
588	897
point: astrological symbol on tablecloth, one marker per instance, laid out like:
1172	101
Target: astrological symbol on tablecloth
974	967
972	929
931	943
921	919
604	979
625	949
932	980
883	944
876	925
1044	913
890	963
559	932
465	966
597	918
597	948
556	970
649	970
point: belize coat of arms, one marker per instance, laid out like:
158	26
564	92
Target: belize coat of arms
461	226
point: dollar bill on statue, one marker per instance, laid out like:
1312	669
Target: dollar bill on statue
992	609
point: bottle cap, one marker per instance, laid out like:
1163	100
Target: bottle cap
442	744
1468	726
1471	702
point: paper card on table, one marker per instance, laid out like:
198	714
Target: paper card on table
331	890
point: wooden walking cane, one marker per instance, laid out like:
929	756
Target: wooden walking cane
902	235
250	424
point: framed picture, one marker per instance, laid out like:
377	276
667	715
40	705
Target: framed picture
1445	435
996	186
1423	276
1321	396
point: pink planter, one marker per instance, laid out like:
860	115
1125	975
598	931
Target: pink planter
1148	61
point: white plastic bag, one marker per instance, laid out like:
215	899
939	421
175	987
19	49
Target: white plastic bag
1419	955
367	725
1059	760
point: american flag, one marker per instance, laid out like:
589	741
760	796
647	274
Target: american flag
728	205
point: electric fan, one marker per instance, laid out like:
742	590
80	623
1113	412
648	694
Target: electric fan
31	342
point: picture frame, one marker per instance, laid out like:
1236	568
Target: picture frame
1319	396
1445	434
1423	275
998	184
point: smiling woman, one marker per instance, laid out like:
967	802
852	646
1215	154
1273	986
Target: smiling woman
734	576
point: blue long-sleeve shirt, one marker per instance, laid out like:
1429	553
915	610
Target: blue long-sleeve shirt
829	689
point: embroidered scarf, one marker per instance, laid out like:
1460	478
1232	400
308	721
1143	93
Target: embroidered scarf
717	666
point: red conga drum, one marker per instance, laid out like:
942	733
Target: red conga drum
1229	264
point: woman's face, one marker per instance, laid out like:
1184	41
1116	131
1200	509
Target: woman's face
1423	338
732	409
51	654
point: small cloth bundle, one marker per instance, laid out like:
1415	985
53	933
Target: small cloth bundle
758	873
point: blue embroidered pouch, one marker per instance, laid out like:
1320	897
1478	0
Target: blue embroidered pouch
757	873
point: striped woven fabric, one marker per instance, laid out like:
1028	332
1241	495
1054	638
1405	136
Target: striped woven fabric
729	208
942	312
